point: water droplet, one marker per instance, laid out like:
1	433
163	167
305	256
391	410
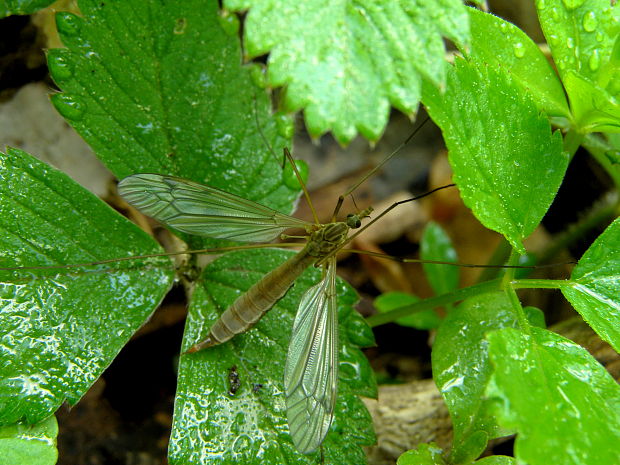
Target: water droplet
589	21
230	23
599	36
69	107
284	125
554	13
572	4
570	42
179	26
519	49
258	75
68	24
595	60
541	5
60	67
554	39
289	177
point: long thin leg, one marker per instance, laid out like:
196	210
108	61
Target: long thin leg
287	156
460	265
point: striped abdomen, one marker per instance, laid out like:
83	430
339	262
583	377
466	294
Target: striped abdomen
252	305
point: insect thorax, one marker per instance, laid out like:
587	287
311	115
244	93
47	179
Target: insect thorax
327	238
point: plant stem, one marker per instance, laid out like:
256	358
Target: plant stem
540	283
433	302
572	141
500	254
507	280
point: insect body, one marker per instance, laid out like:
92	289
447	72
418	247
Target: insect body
311	370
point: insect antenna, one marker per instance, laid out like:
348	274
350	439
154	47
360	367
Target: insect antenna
364	178
378	217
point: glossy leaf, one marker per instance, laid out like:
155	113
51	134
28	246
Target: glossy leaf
29	444
560	400
580	34
496	460
507	163
329	54
22	7
60	328
461	370
188	108
498	42
583	38
595	109
251	427
594	288
437	246
424	454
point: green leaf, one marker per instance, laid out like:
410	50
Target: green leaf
159	87
250	426
22	444
535	316
60	328
507	163
594	288
498	42
437	246
561	401
330	55
426	319
584	39
461	370
22	7
424	454
496	460
580	34
594	109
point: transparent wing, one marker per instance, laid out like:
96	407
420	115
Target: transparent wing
311	371
202	210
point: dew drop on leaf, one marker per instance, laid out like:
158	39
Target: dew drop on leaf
68	24
69	107
589	21
289	177
519	50
595	60
572	4
60	67
258	76
284	124
554	14
229	23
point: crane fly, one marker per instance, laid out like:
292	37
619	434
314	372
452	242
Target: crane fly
311	369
